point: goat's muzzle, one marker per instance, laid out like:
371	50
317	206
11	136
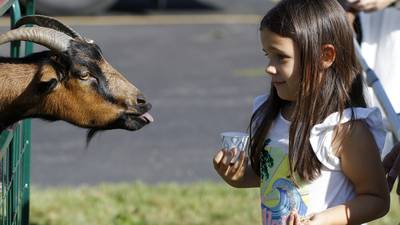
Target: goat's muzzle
127	120
138	119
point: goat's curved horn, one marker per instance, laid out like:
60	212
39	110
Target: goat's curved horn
50	38
49	22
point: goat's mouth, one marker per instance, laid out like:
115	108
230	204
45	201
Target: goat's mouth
127	121
134	121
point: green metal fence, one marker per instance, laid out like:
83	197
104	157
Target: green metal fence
15	144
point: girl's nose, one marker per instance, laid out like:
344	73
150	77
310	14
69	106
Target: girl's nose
271	70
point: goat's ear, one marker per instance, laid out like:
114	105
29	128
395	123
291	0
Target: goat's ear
48	80
60	61
57	58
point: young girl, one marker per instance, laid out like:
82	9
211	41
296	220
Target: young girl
314	146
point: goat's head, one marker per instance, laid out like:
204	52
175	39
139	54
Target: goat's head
77	84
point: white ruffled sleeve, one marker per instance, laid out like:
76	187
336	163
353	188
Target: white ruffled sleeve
322	134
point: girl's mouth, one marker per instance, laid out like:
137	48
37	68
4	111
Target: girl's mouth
278	83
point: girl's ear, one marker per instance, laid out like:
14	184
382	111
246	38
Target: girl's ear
328	55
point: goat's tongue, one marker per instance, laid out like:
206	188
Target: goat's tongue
147	117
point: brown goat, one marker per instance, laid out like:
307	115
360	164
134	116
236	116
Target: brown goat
72	82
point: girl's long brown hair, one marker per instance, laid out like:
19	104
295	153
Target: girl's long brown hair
310	24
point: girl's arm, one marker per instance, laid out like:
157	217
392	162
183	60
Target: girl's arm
391	163
361	163
237	173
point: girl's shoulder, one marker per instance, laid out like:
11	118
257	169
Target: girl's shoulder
372	116
322	134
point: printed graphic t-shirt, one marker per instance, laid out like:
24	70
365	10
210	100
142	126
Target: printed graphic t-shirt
279	195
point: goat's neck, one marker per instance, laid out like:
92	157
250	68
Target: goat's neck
15	85
14	80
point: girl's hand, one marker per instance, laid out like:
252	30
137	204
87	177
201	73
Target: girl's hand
391	164
369	5
231	168
295	219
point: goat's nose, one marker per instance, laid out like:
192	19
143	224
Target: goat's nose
140	99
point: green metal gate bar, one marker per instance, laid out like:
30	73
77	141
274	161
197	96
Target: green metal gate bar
15	144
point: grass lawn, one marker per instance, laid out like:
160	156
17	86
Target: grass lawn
204	203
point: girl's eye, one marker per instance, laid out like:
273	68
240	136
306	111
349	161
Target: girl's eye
281	57
277	58
84	76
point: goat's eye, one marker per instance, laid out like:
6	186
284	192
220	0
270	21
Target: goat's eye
84	76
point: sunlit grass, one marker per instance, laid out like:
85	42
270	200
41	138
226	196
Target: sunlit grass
123	204
137	203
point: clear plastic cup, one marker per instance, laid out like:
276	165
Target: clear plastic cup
234	139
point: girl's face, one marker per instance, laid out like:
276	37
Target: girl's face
282	64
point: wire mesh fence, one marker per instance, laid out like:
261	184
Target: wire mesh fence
14	201
15	144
